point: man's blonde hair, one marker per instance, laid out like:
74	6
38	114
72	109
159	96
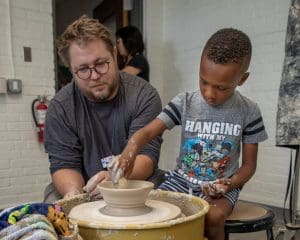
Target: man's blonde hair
82	31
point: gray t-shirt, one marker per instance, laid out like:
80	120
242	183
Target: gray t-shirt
81	135
211	136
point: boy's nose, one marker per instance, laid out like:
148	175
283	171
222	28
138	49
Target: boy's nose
210	93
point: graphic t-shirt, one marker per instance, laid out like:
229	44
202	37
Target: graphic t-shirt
211	136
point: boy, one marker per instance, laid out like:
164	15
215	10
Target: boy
215	122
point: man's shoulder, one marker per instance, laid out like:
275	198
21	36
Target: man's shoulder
134	85
65	94
64	98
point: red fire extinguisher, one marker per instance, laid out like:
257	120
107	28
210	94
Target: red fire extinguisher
39	114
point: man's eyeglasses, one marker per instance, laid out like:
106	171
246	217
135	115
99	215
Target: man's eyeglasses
86	72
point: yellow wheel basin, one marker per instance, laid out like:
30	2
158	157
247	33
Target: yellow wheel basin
188	226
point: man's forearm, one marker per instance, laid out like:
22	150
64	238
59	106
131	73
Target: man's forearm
67	180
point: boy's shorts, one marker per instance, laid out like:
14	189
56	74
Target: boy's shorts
176	183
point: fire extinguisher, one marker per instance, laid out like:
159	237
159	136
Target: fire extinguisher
39	113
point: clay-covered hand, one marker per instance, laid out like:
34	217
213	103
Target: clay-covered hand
92	185
114	169
126	163
127	157
72	193
217	188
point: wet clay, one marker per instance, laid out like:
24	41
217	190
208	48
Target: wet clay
128	199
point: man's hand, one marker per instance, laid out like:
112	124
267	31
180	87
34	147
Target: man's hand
72	193
91	186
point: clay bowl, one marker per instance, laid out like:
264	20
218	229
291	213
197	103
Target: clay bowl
126	200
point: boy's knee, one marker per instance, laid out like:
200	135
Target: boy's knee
216	217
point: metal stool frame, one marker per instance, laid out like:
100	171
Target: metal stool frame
265	222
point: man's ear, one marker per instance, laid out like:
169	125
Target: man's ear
244	78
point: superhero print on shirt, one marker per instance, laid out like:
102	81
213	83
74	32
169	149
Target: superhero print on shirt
205	159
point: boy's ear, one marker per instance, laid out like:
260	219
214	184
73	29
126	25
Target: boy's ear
244	78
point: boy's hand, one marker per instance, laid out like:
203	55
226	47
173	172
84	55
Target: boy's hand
127	157
119	167
216	189
126	164
115	170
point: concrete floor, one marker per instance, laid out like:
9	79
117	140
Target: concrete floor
262	234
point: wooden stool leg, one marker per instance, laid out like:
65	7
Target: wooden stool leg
270	235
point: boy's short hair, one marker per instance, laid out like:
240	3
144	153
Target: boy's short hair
82	31
228	45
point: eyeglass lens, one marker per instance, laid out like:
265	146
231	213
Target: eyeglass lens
100	68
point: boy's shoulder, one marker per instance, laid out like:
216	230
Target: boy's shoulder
240	99
189	95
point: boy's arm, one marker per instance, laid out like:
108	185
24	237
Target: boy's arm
138	140
248	167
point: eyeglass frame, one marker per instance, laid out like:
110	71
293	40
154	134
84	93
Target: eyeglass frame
91	69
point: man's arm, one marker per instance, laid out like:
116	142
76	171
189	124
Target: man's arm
68	182
64	150
248	167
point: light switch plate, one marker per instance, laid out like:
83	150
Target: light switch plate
14	86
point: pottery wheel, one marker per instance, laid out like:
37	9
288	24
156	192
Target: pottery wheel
90	212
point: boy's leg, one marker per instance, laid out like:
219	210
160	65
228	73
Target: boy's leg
219	211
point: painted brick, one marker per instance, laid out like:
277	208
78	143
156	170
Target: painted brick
22	158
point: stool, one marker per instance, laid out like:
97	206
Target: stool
250	217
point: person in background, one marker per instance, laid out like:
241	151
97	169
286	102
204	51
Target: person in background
130	47
91	119
216	122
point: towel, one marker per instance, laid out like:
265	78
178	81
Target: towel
36	221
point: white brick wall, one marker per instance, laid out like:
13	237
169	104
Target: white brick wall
23	163
176	33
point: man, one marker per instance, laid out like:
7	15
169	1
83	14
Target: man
90	120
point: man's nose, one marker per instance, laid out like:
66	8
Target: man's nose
94	74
